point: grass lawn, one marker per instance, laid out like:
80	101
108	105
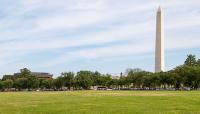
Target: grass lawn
101	102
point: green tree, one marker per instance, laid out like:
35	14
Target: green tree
1	85
24	73
8	77
122	81
154	80
113	82
21	83
96	78
148	80
178	74
191	60
105	80
137	78
198	62
68	79
163	77
191	77
128	70
7	84
33	82
84	80
58	83
47	84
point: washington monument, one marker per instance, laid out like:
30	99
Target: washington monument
159	51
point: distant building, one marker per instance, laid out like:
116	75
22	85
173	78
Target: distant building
115	76
39	75
42	75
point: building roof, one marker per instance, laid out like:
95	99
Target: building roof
38	74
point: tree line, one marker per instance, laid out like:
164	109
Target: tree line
183	76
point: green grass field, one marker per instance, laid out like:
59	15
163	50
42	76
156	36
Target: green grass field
101	102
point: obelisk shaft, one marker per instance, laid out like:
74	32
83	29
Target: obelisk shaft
159	51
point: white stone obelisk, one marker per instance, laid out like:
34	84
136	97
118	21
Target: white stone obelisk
159	51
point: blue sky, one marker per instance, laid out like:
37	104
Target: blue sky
104	35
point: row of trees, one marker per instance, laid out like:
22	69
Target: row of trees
186	75
70	80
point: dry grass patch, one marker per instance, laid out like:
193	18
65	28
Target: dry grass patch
127	94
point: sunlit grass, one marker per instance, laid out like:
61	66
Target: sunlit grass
101	102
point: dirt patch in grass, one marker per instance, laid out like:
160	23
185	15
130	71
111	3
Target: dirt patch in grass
129	94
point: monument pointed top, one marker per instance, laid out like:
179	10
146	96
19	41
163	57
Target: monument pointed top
159	9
